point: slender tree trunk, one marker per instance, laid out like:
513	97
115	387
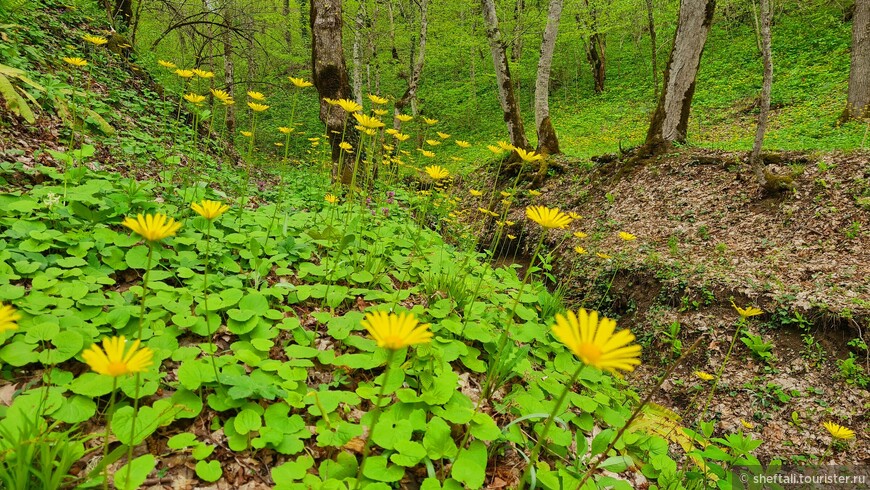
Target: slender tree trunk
123	14
596	50
303	22
517	51
671	119
858	100
229	68
548	143
506	96
288	36
653	48
767	59
331	80
393	51
410	95
359	22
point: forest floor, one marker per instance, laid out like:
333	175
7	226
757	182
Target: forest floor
707	236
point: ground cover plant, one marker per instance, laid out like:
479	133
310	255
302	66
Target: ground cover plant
180	311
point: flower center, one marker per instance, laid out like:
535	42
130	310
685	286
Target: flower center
394	341
117	368
589	353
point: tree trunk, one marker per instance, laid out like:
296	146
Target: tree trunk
229	69
123	14
393	51
653	48
288	36
671	119
858	101
596	50
548	143
506	96
517	51
767	59
359	22
303	22
410	95
331	80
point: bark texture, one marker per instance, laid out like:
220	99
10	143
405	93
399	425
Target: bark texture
331	80
671	118
548	143
410	95
767	60
506	97
858	100
653	51
229	68
596	50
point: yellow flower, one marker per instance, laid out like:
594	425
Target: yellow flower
299	82
495	149
548	217
202	73
377	100
746	424
184	73
368	122
475	192
457	159
348	105
166	64
430	122
580	250
115	360
330	199
509	222
8	317
427	153
96	40
437	172
396	331
257	107
511	237
627	236
344	145
504	145
194	98
209	209
838	431
595	342
404	117
220	95
380	112
704	375
152	227
462	144
602	255
76	61
528	156
246	134
401	136
534	193
580	234
229	101
392	131
574	215
443	136
433	142
505	194
388	147
285	130
330	101
256	96
747	312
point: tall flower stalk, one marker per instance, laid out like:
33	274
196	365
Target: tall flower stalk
210	210
391	332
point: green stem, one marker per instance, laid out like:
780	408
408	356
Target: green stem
377	415
211	346
533	458
740	325
108	429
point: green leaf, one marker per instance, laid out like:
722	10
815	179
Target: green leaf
484	428
75	409
91	385
470	466
408	453
139	469
378	469
292	470
209	471
247	421
438	441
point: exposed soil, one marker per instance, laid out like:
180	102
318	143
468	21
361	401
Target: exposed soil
707	235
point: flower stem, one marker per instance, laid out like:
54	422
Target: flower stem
533	457
375	417
211	346
108	430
